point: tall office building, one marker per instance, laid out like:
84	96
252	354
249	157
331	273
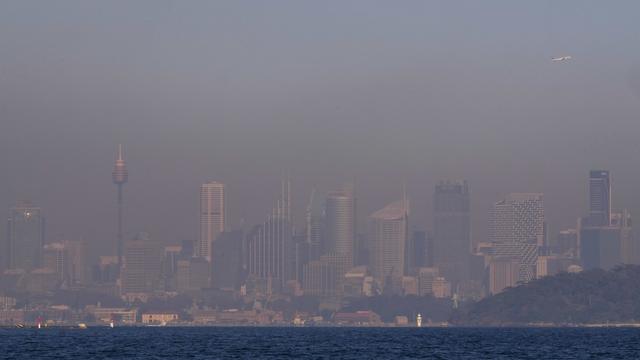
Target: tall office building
566	244
319	278
270	255
226	266
389	238
339	216
606	238
65	259
192	274
142	265
421	254
452	230
212	216
77	252
315	228
120	176
301	254
516	228
55	258
25	237
608	246
504	272
599	198
518	218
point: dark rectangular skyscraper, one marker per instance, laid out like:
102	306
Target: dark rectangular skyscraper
26	237
226	260
452	229
599	198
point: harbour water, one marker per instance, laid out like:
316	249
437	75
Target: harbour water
319	343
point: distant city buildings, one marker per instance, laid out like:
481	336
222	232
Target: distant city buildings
120	176
610	245
142	265
518	218
192	274
315	227
606	239
339	215
516	231
599	198
321	261
504	272
452	229
421	251
270	260
25	237
389	238
226	268
212	216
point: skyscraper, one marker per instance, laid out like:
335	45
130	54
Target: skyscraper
518	218
608	246
599	198
78	261
141	268
340	224
516	228
452	229
606	239
212	216
226	265
56	258
120	176
26	237
315	228
389	238
421	254
270	255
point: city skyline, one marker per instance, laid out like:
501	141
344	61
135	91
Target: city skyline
410	95
207	194
340	163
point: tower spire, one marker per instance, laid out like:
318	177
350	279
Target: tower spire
120	176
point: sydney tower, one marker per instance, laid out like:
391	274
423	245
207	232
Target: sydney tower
120	175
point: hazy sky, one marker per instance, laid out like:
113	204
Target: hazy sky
242	91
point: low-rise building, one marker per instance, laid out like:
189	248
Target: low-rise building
106	315
235	316
365	317
7	302
401	320
409	285
441	288
159	317
11	317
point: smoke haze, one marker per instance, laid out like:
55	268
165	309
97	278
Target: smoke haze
243	92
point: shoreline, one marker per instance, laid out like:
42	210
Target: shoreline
385	326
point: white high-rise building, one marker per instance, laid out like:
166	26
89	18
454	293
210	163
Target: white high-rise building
518	218
516	228
599	198
212	217
389	239
339	224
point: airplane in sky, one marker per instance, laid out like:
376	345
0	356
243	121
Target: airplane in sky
561	58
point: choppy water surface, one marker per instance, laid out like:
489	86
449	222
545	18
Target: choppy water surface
319	343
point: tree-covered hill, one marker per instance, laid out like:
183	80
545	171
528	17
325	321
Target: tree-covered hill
594	296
